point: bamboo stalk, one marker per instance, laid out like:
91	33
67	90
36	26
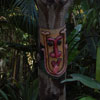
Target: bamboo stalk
98	65
14	73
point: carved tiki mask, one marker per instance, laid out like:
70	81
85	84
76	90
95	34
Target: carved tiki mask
54	47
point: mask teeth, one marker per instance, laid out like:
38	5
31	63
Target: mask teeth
55	70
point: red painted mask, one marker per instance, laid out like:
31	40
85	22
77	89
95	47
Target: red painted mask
54	43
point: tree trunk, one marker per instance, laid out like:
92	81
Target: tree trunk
52	16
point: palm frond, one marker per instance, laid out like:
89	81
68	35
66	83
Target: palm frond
28	8
28	11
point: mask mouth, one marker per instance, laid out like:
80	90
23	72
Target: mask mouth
55	65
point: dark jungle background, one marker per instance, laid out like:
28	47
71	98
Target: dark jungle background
18	50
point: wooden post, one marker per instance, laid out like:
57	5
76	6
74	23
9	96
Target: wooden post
51	16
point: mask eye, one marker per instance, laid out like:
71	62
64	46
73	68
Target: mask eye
50	43
59	42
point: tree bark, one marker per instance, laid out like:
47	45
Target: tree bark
52	16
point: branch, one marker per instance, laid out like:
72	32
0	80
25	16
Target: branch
21	47
35	2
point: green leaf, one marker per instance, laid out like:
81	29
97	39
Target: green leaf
68	80
0	98
29	12
87	98
87	81
78	27
35	88
98	64
11	91
3	95
85	5
91	1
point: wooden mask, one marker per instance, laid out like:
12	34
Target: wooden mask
54	47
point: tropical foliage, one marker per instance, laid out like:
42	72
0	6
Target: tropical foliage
18	50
